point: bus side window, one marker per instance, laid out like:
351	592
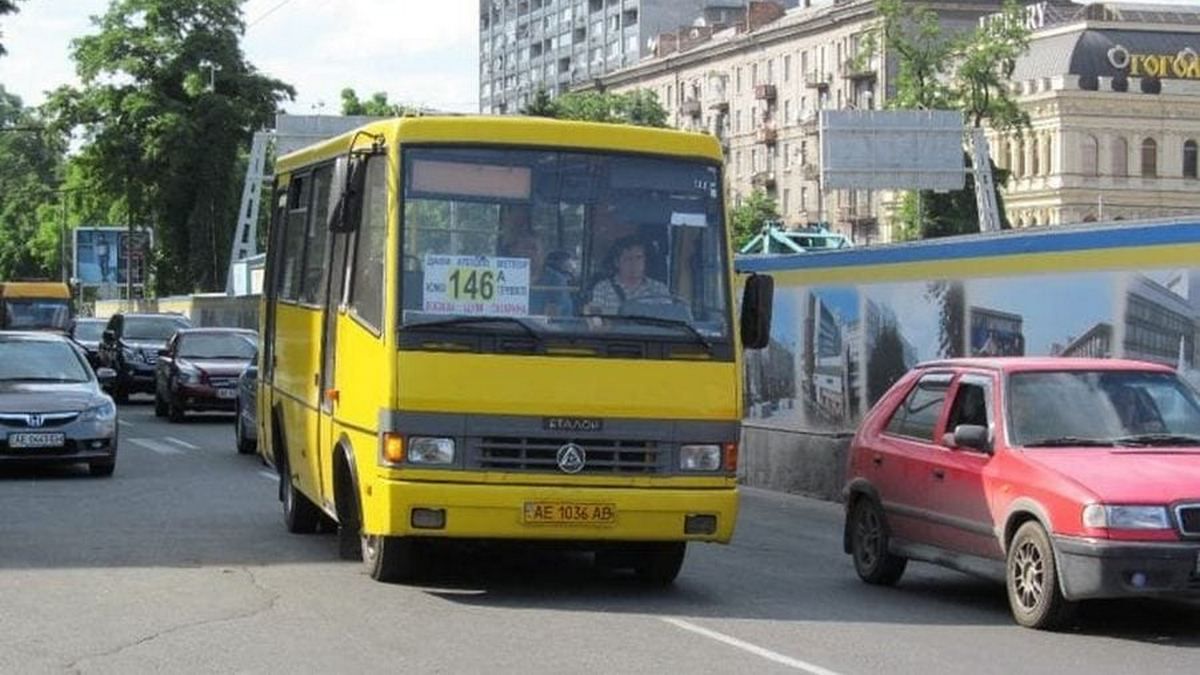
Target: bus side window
370	248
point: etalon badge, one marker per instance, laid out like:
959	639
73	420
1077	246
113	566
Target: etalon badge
571	458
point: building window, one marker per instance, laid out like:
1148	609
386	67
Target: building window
787	67
1089	151
787	112
1189	159
786	194
737	80
737	122
753	74
1120	157
1035	166
770	71
787	156
1149	158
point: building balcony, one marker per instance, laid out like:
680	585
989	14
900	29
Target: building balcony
721	104
763	179
810	172
690	108
768	135
856	69
765	92
810	124
817	79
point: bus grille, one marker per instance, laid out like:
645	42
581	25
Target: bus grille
619	457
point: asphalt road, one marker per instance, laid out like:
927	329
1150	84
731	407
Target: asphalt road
180	563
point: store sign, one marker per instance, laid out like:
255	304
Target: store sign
1182	66
1035	16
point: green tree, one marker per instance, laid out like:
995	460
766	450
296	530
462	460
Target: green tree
885	364
639	107
6	7
542	105
966	71
167	108
749	217
376	106
30	163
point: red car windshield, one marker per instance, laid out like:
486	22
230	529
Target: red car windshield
1101	408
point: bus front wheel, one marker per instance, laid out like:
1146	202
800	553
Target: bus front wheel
389	559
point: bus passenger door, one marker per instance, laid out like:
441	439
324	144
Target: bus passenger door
264	403
334	307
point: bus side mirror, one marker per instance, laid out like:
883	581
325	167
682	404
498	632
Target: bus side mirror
348	210
756	311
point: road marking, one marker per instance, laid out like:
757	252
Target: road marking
182	443
753	649
124	423
160	448
268	475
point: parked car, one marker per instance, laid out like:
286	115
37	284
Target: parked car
129	346
87	334
199	369
52	407
1069	479
245	426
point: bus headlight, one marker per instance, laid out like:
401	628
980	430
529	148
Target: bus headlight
427	450
699	457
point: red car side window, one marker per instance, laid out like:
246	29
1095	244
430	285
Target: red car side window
918	415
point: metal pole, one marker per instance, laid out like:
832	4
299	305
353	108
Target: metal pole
62	238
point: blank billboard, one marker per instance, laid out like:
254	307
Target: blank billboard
892	150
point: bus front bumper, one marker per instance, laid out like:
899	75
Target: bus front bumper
488	511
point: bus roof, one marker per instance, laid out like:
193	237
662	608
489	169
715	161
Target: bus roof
510	130
35	289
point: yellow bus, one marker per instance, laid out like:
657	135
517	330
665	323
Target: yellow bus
35	305
505	328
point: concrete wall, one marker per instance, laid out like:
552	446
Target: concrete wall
800	462
203	310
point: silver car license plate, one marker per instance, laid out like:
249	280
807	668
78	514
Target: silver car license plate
37	440
226	393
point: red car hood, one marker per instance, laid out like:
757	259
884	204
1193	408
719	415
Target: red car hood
1128	475
219	366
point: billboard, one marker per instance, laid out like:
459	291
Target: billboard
104	256
892	150
847	324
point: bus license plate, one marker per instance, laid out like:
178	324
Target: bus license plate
569	513
36	440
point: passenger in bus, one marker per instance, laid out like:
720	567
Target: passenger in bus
551	280
628	280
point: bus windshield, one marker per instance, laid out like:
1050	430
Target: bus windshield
36	314
560	243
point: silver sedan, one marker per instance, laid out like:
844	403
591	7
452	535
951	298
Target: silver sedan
52	409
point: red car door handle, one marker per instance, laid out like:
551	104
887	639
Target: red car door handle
939	474
877	460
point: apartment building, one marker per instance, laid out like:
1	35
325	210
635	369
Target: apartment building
526	45
760	90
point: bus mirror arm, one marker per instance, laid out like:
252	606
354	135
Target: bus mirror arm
757	297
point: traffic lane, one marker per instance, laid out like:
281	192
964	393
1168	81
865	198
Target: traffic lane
784	585
180	496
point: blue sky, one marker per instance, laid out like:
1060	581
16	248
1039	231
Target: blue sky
418	52
1053	308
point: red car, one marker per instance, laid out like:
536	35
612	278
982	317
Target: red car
199	370
1067	478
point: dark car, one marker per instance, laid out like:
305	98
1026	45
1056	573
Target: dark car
199	370
52	407
87	333
1066	479
130	345
245	427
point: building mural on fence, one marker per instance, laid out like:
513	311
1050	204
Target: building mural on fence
836	349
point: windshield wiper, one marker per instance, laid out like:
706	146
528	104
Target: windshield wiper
464	320
659	321
1069	441
1159	439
